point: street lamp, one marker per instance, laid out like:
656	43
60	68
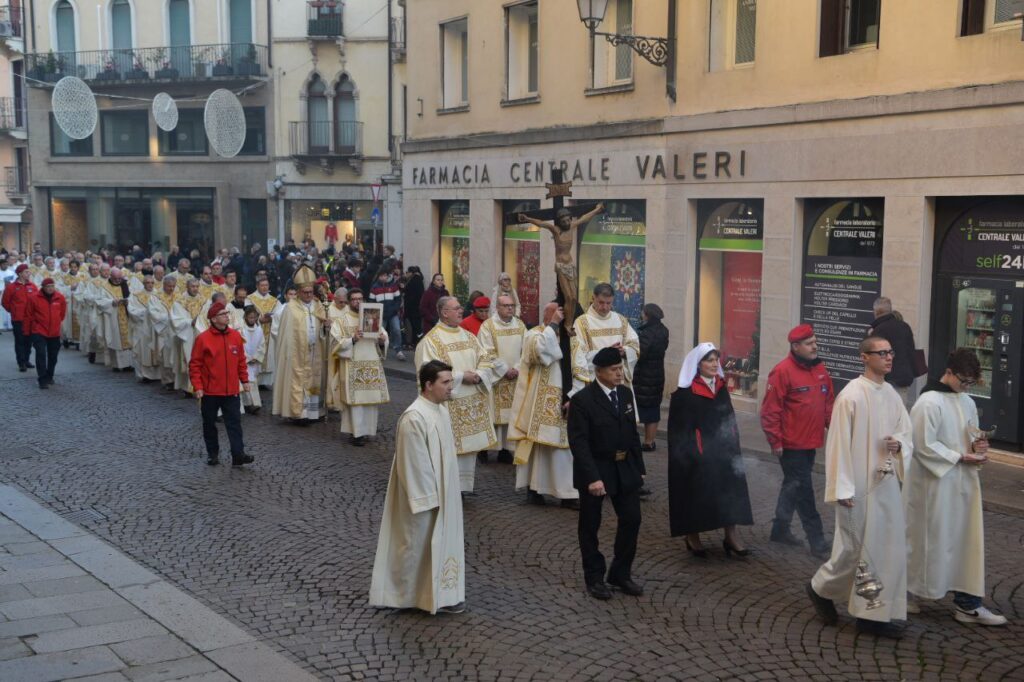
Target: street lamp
655	50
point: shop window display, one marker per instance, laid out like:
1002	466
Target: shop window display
454	217
613	250
521	258
729	306
327	222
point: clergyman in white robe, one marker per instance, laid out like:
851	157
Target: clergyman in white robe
865	413
254	350
420	561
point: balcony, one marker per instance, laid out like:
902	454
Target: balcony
323	19
11	22
324	143
184	64
396	37
17	181
12	114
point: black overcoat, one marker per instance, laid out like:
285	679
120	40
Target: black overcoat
596	432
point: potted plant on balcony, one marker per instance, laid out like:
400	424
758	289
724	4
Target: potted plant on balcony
164	70
199	64
223	65
138	71
53	68
248	65
109	71
38	71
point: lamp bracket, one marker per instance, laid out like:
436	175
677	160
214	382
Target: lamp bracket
654	50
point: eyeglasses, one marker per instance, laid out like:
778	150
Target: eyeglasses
965	382
881	353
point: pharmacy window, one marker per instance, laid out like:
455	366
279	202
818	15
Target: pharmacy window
455	64
521	58
613	64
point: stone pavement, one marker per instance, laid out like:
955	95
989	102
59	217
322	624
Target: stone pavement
72	607
284	549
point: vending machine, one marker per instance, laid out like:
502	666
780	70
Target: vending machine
987	316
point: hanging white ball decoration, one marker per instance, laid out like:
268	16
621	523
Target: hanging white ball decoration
165	112
224	120
74	107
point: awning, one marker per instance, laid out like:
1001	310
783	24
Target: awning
12	214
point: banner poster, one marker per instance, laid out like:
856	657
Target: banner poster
613	249
842	278
455	247
986	240
741	303
521	257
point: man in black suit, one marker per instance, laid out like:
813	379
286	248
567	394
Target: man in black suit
606	461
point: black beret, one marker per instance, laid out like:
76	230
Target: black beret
607	357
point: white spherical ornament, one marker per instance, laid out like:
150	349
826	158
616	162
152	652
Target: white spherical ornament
224	120
165	112
74	108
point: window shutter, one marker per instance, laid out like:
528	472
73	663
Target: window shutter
831	34
973	20
746	29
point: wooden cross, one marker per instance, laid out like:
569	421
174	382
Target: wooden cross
558	189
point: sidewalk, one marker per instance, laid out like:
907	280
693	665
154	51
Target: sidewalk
73	607
1003	483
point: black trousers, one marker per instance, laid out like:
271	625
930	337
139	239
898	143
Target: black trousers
47	349
627	509
228	405
797	494
22	344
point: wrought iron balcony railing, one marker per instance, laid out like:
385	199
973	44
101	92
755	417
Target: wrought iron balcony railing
185	63
11	22
326	138
396	36
17	180
12	114
323	18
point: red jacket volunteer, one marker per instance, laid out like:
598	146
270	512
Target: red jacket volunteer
797	406
44	314
217	366
16	295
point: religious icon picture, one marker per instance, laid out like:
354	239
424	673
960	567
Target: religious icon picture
370	315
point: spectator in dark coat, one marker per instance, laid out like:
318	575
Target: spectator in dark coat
649	374
891	327
428	303
413	294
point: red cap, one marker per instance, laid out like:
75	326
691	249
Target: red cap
46	281
215	310
800	332
482	302
17	270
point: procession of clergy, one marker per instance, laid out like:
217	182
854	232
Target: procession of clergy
493	383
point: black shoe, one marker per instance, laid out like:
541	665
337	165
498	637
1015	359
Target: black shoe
824	607
699	553
43	384
359	441
570	504
649	447
599	591
22	368
468	493
534	497
504	457
879	629
644	491
821	550
627	586
730	550
785	537
239	460
213	460
29	365
92	358
482	457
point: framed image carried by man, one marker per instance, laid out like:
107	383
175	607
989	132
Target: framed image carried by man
370	315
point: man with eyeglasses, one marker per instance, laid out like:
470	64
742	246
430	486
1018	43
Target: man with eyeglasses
942	494
502	337
474	373
869	438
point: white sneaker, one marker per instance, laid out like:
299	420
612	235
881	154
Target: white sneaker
401	356
980	616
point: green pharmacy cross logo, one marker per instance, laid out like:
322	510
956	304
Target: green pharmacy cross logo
968	229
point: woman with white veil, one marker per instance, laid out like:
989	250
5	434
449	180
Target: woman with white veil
504	288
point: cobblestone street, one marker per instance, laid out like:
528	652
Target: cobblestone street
284	549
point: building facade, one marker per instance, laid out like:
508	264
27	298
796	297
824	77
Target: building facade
15	196
340	121
791	162
131	182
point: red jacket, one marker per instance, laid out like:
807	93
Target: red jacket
797	405
43	315
472	324
217	365
16	297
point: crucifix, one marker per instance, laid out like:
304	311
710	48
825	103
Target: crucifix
566	224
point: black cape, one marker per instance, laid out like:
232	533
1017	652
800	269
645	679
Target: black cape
707	482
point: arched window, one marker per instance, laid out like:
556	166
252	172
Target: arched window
121	35
65	15
346	129
179	23
319	120
239	28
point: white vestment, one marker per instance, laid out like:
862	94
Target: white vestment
91	340
6	277
254	349
503	341
942	500
359	385
191	306
116	328
872	530
145	347
333	361
420	561
470	406
266	305
537	428
594	332
168	320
